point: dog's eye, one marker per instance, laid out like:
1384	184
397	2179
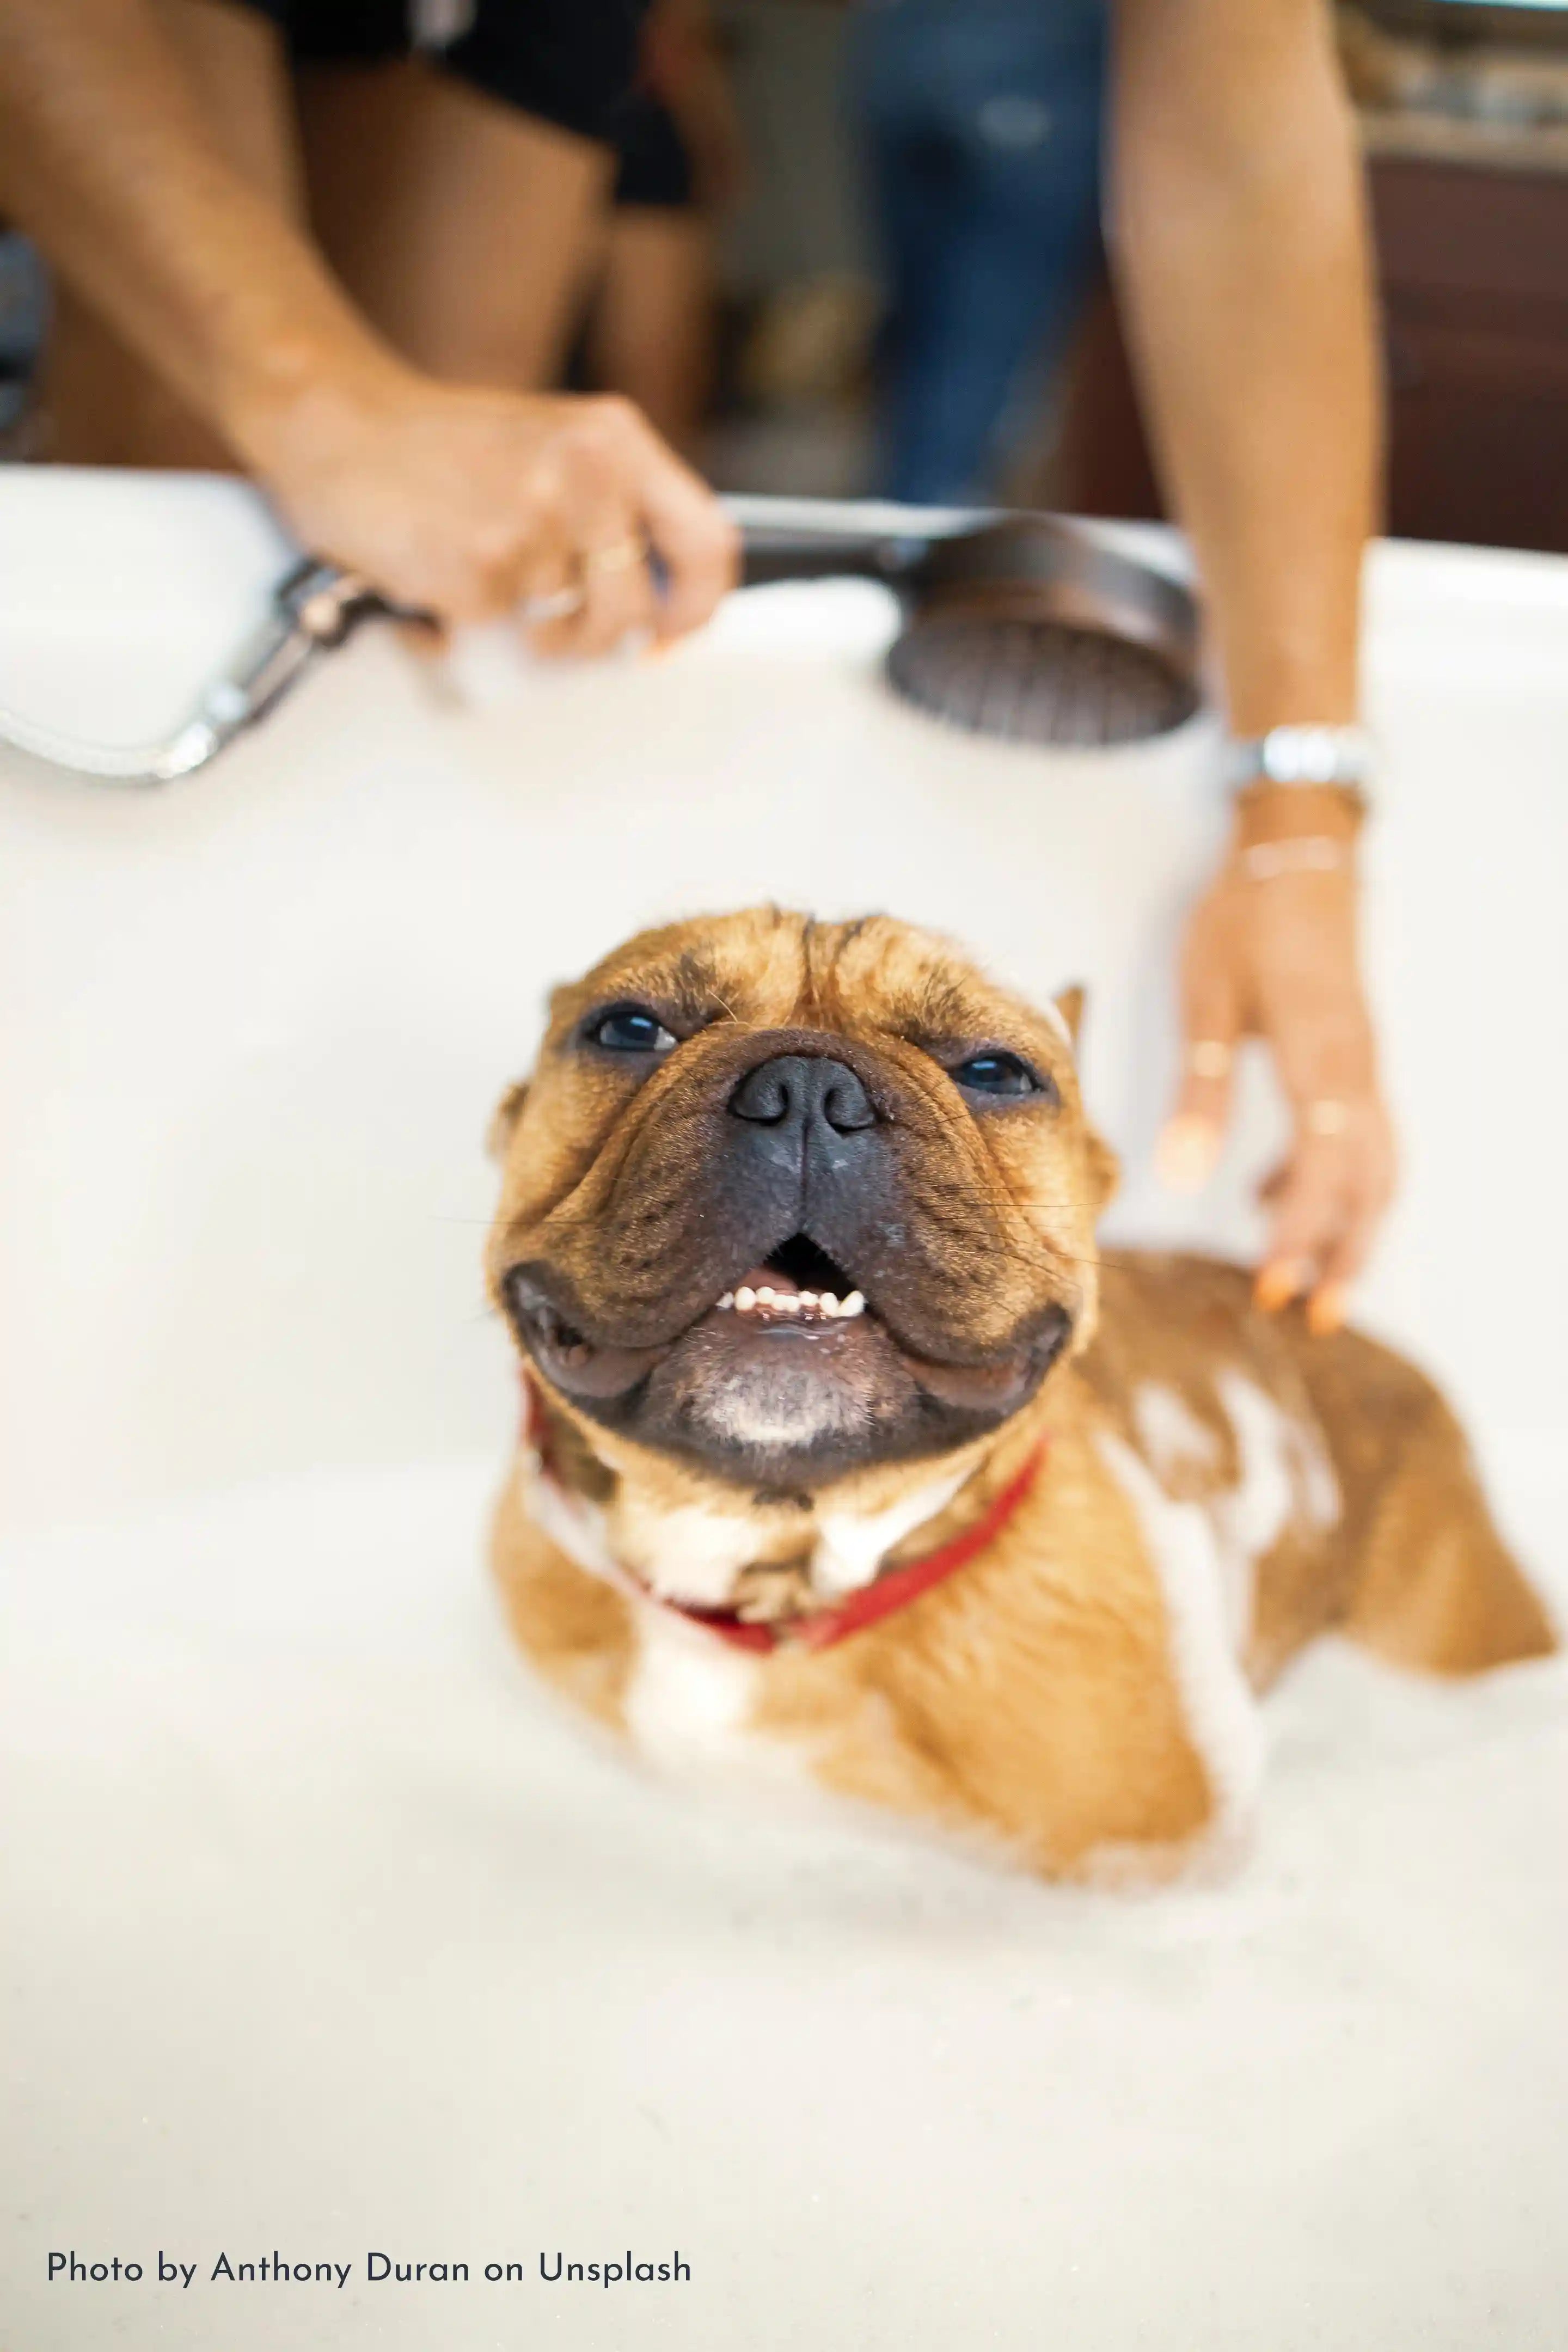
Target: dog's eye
1000	1074
630	1029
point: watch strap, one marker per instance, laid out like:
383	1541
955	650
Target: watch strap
1306	758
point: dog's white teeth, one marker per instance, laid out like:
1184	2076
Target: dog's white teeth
814	1305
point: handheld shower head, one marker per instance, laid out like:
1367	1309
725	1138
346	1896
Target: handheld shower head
313	608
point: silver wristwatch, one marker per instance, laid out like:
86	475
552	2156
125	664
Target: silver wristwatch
1342	757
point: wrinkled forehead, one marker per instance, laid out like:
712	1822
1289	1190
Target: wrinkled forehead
771	968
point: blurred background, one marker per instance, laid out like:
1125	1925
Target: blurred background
855	248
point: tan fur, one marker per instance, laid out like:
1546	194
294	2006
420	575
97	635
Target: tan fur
576	1631
1041	1698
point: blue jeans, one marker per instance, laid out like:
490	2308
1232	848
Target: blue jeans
979	122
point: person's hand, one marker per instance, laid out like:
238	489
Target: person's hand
1271	952
469	504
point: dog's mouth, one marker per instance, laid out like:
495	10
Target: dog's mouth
798	1288
798	1306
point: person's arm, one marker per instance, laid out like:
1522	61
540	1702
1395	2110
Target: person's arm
105	160
454	500
1238	234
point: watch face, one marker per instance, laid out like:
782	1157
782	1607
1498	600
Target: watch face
1298	755
1313	755
1341	758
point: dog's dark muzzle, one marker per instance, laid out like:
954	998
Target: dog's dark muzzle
809	1144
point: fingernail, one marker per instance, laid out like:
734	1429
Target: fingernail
1326	1309
1185	1154
1279	1283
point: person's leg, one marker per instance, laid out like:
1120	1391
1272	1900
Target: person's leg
1025	248
908	164
650	327
929	454
993	223
455	193
458	222
97	404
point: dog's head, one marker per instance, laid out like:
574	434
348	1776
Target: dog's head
789	1200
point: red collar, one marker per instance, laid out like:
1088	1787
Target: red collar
894	1588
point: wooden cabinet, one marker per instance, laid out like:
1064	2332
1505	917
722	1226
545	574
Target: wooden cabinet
1473	261
1474	264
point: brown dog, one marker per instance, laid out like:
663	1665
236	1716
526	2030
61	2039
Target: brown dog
848	1457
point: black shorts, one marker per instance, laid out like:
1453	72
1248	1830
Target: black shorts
653	166
572	62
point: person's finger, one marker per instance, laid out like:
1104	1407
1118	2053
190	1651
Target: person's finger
608	455
1322	1041
620	597
1330	1299
614	592
595	464
599	580
1371	1189
540	579
1211	1031
699	549
503	557
696	546
549	585
1315	1206
1335	1183
1328	1303
1309	1217
555	594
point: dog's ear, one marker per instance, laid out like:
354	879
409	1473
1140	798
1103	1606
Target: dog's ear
1104	1168
504	1118
1070	1006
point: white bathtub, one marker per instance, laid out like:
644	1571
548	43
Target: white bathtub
325	1935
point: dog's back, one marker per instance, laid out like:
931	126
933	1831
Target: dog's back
1340	1454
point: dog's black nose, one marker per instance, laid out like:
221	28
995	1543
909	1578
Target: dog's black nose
795	1093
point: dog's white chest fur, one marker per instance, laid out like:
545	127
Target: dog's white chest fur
689	1697
690	1703
694	1553
691	1700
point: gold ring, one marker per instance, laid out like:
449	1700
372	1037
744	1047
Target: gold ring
1327	1116
619	555
1209	1058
